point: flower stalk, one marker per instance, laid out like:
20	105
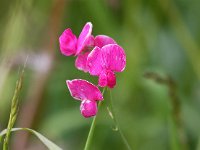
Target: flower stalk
99	56
92	127
117	127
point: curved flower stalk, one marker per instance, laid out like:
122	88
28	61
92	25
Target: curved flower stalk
87	93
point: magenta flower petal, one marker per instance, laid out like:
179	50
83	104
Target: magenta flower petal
103	79
81	62
88	108
84	37
84	90
68	42
103	62
90	42
94	61
102	40
111	79
114	57
107	78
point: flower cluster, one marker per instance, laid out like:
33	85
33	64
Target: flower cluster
99	56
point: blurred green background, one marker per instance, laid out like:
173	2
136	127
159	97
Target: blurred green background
159	36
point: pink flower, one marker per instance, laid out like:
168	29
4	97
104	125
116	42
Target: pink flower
80	47
103	62
70	45
87	93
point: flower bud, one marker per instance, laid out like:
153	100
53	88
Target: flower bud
88	108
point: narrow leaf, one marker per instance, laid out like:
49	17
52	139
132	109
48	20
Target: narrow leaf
44	140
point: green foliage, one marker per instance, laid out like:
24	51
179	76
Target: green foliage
158	36
50	145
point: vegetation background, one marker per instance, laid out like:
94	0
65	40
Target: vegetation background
161	39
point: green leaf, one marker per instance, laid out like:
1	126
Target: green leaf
44	140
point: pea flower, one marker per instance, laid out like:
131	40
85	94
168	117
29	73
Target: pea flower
81	46
103	62
71	45
87	93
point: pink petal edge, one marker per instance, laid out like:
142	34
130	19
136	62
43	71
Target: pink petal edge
84	90
84	37
102	40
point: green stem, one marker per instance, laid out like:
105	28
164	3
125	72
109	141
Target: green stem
5	145
92	127
14	108
112	114
7	137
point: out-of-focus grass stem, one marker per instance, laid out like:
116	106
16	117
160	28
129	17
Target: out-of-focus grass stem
183	34
14	108
178	139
